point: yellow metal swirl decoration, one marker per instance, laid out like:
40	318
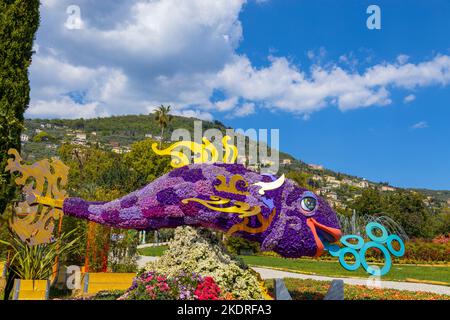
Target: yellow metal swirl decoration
243	226
202	153
216	203
43	180
231	187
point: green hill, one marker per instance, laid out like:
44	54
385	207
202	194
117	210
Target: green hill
42	138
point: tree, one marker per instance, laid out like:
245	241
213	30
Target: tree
409	210
163	118
19	21
145	165
369	203
301	178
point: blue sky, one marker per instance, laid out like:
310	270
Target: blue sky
373	103
378	143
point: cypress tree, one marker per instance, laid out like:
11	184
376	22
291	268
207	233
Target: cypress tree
19	21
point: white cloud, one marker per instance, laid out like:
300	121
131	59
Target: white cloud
420	125
409	98
133	55
243	110
283	86
227	104
195	114
65	108
402	58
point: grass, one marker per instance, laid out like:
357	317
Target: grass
413	273
316	290
152	251
400	272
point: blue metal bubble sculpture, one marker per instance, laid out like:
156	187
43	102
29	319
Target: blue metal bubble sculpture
358	250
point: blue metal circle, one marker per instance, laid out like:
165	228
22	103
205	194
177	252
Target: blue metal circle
387	259
397	253
333	250
344	241
376	225
344	264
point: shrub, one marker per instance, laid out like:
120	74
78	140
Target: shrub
36	262
200	251
151	285
236	245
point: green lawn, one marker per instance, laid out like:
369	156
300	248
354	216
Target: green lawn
334	269
152	251
399	272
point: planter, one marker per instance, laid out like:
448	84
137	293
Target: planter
95	282
3	269
2	287
31	289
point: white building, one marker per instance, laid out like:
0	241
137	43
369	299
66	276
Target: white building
121	150
315	166
363	184
80	136
267	162
24	137
287	162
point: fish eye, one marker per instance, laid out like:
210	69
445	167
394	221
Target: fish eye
308	204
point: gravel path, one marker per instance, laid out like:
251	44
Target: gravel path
267	273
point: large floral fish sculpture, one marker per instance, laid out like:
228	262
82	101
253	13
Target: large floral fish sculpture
273	211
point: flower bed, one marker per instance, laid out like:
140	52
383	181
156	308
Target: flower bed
151	285
316	290
201	251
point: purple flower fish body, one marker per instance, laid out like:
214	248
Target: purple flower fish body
297	221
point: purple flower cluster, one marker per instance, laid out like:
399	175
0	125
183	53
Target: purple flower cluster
160	205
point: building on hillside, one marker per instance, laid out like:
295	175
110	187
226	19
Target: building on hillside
80	139
387	188
126	149
117	150
363	184
94	133
37	131
79	142
332	196
149	135
80	136
267	162
332	182
286	162
348	181
315	166
24	137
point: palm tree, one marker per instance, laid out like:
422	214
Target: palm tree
163	118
